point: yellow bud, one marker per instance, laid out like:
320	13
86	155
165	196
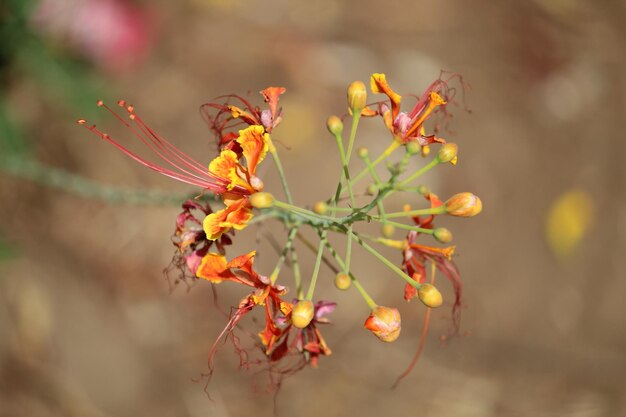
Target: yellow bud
413	147
447	152
342	281
442	235
372	189
430	296
463	205
261	200
334	125
384	322
357	96
423	190
362	152
388	230
320	207
302	314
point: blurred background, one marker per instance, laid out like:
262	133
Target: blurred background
89	326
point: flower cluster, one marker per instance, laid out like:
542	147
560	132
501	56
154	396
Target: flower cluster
243	131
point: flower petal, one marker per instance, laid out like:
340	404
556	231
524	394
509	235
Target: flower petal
378	84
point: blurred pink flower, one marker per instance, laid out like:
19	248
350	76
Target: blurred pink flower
113	34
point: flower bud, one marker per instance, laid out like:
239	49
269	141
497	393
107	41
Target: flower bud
463	205
357	96
413	147
388	230
430	296
423	190
261	200
442	235
334	125
384	322
362	152
302	314
372	189
342	281
447	152
320	207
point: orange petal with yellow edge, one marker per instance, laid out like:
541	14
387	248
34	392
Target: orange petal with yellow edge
378	84
254	145
214	268
222	165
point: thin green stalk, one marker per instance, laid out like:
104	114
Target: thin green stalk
406	226
296	272
75	184
355	124
279	168
300	210
286	249
420	212
385	261
316	269
345	173
370	302
424	169
394	145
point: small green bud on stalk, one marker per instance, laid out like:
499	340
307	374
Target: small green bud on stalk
413	148
442	235
261	200
372	189
362	152
342	281
430	296
463	205
302	314
320	208
423	190
357	97
447	152
334	125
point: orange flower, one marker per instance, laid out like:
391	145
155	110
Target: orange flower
216	269
408	127
237	176
222	118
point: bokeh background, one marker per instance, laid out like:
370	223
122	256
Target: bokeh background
90	327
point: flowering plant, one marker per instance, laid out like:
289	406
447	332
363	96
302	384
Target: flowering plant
292	323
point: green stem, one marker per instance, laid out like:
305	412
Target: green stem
286	249
303	211
370	302
424	169
405	226
279	168
394	145
355	124
316	269
296	272
75	184
385	261
421	212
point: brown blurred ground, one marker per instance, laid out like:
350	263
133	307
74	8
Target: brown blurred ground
87	324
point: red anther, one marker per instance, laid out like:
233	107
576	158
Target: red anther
131	116
81	121
100	103
130	108
121	103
